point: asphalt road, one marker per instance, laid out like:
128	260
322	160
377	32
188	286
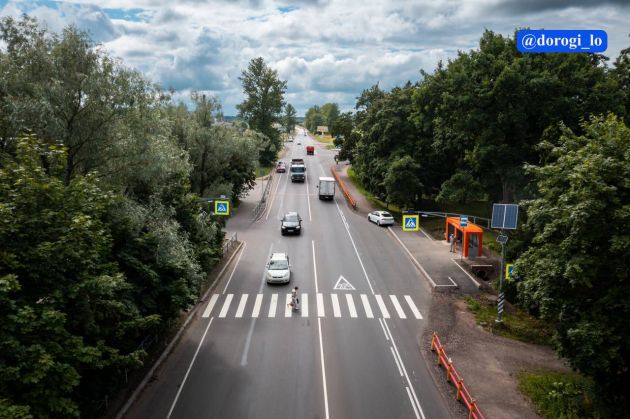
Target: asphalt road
351	352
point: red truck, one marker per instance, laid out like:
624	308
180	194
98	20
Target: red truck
310	149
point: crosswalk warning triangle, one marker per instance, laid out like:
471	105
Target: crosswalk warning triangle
411	223
343	284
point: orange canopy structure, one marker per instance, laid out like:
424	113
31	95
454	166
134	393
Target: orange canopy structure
470	236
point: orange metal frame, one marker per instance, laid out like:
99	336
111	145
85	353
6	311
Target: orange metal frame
466	232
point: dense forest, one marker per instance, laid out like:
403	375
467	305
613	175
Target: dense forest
546	131
103	240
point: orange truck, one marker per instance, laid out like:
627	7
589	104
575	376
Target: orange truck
310	149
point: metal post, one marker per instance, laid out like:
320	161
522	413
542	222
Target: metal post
501	298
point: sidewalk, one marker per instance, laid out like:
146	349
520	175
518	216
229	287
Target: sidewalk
489	364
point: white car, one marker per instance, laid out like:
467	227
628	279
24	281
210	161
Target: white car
381	218
278	269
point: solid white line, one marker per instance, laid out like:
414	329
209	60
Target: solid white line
428	237
241	306
273	197
381	305
451	279
396	361
335	303
355	248
412	257
226	305
397	306
351	308
213	301
272	307
383	327
367	307
189	368
464	271
304	305
321	351
320	306
413	307
402	364
415	409
257	304
314	266
235	265
308	198
287	307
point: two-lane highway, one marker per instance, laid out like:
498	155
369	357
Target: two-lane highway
351	352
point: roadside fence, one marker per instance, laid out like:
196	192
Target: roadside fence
230	242
262	205
343	188
452	376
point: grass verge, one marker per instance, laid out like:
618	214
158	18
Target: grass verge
562	395
517	324
396	211
263	171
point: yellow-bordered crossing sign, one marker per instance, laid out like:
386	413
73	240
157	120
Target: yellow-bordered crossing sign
410	222
221	207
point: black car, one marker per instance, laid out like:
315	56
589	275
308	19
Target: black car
291	223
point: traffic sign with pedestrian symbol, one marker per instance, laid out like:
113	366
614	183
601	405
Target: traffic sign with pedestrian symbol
222	207
410	223
509	267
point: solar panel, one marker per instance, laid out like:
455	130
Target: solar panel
504	216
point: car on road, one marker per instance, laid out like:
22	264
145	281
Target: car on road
291	222
299	142
281	167
381	218
278	269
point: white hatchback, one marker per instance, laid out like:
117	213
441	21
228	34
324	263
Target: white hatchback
278	269
381	218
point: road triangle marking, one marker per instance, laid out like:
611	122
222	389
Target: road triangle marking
343	284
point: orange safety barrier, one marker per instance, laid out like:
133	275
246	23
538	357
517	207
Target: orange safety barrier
452	376
345	191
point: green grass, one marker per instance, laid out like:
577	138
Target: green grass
327	139
562	395
330	146
263	170
517	324
396	211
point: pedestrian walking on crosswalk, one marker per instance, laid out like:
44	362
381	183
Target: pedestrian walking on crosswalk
295	300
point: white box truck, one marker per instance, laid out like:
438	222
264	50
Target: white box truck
326	188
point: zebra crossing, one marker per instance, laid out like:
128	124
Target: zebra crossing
332	305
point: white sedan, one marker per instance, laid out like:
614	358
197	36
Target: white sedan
381	218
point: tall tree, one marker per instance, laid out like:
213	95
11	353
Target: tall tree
289	119
576	272
330	113
262	107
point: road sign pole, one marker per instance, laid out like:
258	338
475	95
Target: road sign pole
500	300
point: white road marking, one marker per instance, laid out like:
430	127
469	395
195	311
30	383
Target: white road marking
354	246
413	259
397	306
235	265
241	306
273	196
396	361
335	303
381	305
210	306
190	367
226	305
367	307
272	306
384	331
413	307
321	352
320	306
287	307
314	266
477	284
351	308
308	198
415	409
304	306
257	304
343	284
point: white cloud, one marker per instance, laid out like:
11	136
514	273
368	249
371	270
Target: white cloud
326	50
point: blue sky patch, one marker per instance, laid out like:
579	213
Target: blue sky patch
287	9
133	15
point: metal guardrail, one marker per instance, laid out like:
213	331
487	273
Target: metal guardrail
343	188
262	205
463	395
230	242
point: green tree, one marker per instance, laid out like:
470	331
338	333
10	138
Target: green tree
289	119
262	108
575	274
329	113
401	182
462	187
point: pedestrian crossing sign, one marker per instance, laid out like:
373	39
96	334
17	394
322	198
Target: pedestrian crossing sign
222	207
410	223
508	270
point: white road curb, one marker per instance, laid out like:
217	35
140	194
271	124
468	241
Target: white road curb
413	259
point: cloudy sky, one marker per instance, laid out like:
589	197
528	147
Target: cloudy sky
326	50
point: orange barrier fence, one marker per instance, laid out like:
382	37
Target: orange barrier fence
343	188
463	395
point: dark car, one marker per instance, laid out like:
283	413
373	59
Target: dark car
291	223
